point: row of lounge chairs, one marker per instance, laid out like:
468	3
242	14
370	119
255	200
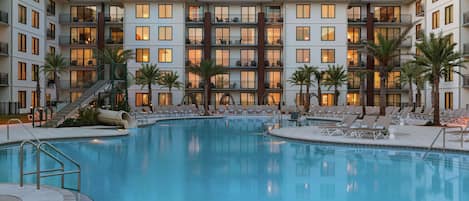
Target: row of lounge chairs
243	110
192	110
370	126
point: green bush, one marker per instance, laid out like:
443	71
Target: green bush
88	116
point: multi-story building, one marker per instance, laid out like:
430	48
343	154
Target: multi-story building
259	43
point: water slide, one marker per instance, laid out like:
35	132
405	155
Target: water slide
116	118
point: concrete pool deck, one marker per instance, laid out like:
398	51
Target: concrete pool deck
12	192
404	136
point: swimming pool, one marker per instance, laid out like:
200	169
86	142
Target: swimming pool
230	159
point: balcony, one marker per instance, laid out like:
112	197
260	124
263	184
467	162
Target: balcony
50	34
274	20
237	63
393	20
82	20
114	41
465	50
273	42
194	42
356	42
4	79
84	63
234	41
4	49
465	19
224	85
195	20
271	85
67	40
3	18
114	18
76	84
235	19
273	63
356	19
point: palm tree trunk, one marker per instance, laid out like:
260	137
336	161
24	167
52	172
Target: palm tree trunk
411	93
307	99
150	97
301	94
418	100
362	95
170	96
57	88
336	96
319	94
436	100
206	96
382	93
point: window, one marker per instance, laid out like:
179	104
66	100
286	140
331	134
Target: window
83	35
116	13
273	98
34	99
247	98
387	33
449	14
274	14
165	55
22	14
353	80
81	78
165	33
327	33
164	99
195	14
117	35
299	97
327	99
83	13
274	80
248	36
221	81
248	79
51	50
449	75
194	57
448	100
302	33
222	35
82	57
302	56
35	43
142	11
195	35
418	31
353	35
327	55
273	58
388	14
274	35
303	11
51	8
51	31
34	72
248	58
353	58
436	20
419	8
35	19
193	81
354	14
142	55
21	71
222	14
222	58
392	82
328	11
248	14
165	11
22	42
141	99
22	99
142	33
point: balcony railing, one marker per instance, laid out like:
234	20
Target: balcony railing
50	34
67	19
273	85
194	42
67	40
234	41
235	19
224	84
273	63
274	42
115	18
4	49
115	41
273	19
195	20
356	18
3	79
4	17
466	19
384	19
82	62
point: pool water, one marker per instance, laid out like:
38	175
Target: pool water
231	159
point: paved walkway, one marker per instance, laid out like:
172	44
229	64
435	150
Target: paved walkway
13	192
403	136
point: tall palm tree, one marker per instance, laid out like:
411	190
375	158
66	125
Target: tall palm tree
298	78
336	77
149	75
170	80
54	65
439	58
206	70
384	51
308	72
318	76
409	73
420	84
115	55
363	75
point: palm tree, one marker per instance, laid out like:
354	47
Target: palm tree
384	51
149	75
308	71
409	73
336	77
170	80
318	76
54	65
206	71
363	74
420	84
298	78
114	55
439	58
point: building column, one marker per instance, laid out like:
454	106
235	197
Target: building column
369	58
208	43
260	57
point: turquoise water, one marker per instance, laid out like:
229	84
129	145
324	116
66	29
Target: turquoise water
216	160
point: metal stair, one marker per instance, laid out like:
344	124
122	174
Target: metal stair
88	96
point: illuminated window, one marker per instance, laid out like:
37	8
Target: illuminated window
142	11
34	72
327	55
142	55
22	42
247	98
328	11
387	13
35	44
22	14
164	98
221	81
435	19
353	58
353	99
165	55
448	100
248	58
302	33
273	98
418	31
222	58
35	19
274	35
327	33
34	99
353	80
449	75
302	56
327	99
142	33
248	14
22	99
222	35
353	35
392	82
274	58
195	35
274	80
83	13
82	35
165	33
248	79
222	14
248	36
165	11
303	11
194	57
21	71
141	99
449	14
354	13
82	57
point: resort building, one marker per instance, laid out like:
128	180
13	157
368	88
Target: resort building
261	43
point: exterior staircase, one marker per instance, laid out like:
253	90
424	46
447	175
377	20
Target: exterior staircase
70	109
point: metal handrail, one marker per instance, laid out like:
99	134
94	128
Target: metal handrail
442	130
24	127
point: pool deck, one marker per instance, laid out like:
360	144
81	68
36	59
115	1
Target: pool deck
13	192
403	136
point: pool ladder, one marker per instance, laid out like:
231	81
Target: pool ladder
40	147
442	131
